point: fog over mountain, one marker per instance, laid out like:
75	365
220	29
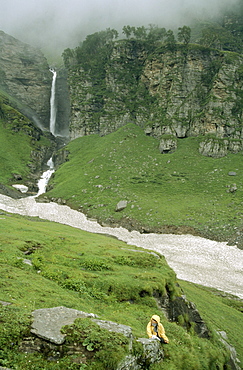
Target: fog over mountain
57	24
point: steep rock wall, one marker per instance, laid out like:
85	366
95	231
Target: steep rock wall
25	77
63	103
185	92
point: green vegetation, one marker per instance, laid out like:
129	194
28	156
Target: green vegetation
223	32
107	349
103	275
16	150
183	188
111	84
180	191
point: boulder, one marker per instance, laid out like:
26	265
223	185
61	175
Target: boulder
48	322
21	188
213	147
152	352
121	205
168	144
113	326
231	188
3	303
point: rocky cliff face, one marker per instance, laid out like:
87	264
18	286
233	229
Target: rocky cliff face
25	76
171	94
63	103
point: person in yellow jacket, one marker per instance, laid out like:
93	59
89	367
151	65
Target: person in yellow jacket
155	329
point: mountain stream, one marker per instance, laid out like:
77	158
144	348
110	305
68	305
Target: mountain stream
195	259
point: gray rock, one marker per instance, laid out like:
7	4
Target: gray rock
48	322
152	352
25	76
231	188
168	145
129	363
180	306
176	86
5	303
232	173
113	326
215	148
117	328
27	262
21	188
148	130
121	205
234	361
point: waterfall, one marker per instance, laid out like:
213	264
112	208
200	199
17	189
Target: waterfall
43	182
53	110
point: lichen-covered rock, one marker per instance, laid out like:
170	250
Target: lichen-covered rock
48	322
152	352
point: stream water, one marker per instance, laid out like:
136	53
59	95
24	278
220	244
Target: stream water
195	259
43	182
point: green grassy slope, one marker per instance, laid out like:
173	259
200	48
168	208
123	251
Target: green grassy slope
98	274
222	313
182	189
18	138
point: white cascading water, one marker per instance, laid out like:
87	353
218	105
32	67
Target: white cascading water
53	110
43	182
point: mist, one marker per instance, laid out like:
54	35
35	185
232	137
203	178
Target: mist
54	25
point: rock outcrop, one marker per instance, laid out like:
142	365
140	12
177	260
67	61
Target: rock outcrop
25	77
48	339
62	103
180	93
48	322
184	312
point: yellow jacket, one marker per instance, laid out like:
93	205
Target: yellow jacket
161	330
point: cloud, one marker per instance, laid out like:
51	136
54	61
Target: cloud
58	24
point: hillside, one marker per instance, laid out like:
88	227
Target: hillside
25	77
45	264
155	121
181	192
24	148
